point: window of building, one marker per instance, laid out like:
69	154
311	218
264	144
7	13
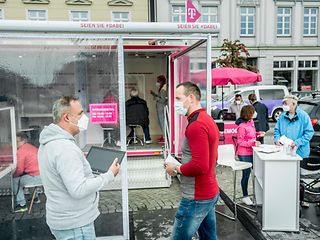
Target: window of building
307	75
120	17
79	16
310	21
284	21
1	14
178	13
209	14
283	73
37	15
283	64
247	18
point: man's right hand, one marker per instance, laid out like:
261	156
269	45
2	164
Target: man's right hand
115	167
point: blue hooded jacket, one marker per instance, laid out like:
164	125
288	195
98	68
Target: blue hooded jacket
299	129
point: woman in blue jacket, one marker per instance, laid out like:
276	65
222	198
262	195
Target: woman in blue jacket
295	124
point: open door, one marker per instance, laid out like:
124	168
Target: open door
183	65
8	144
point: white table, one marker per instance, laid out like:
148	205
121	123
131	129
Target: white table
277	177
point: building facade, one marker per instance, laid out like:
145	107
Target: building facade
75	10
282	35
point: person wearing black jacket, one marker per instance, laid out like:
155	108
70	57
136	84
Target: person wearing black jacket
137	113
261	109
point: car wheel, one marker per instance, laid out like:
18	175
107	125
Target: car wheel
276	114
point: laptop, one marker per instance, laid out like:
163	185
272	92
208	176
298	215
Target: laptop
100	158
229	116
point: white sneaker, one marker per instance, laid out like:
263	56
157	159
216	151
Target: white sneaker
118	144
247	201
148	141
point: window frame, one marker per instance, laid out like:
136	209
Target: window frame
180	15
78	11
38	10
113	19
310	15
208	14
283	16
247	15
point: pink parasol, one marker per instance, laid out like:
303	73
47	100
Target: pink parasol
225	75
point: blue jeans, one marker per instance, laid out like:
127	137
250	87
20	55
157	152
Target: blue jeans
245	174
193	216
86	232
18	185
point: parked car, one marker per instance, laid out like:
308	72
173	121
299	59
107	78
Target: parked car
277	80
311	105
301	94
270	95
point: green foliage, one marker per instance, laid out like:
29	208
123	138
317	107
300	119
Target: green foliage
234	54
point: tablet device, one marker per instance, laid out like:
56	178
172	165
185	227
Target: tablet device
100	158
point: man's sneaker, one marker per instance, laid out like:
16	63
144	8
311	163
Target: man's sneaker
247	201
304	204
20	209
148	141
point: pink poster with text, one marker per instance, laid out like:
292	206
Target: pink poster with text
104	113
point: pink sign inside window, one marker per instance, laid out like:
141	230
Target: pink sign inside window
104	113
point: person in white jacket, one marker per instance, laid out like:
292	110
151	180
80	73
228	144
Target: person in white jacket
71	189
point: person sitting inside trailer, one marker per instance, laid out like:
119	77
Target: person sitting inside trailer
137	113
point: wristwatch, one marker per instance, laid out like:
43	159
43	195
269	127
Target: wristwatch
175	171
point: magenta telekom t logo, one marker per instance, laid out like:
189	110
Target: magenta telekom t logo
192	13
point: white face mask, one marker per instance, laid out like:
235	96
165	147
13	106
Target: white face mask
157	84
286	108
255	115
179	108
82	123
238	102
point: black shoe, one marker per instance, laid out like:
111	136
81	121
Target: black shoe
20	209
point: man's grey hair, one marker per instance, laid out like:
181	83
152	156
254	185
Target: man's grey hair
61	106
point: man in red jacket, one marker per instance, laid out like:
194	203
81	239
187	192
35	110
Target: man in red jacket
199	186
27	171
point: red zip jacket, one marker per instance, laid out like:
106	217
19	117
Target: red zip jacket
199	157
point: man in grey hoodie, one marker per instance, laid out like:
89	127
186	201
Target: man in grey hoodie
71	189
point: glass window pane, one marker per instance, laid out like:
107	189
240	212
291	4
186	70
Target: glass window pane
307	63
314	63
290	64
301	64
276	64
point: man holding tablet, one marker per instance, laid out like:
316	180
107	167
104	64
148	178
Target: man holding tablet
71	189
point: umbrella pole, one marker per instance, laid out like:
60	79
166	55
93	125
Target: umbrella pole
222	99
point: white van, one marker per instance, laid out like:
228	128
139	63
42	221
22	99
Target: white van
270	95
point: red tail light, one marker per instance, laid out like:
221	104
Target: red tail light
314	121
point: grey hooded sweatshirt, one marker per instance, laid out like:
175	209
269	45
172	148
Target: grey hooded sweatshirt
70	187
